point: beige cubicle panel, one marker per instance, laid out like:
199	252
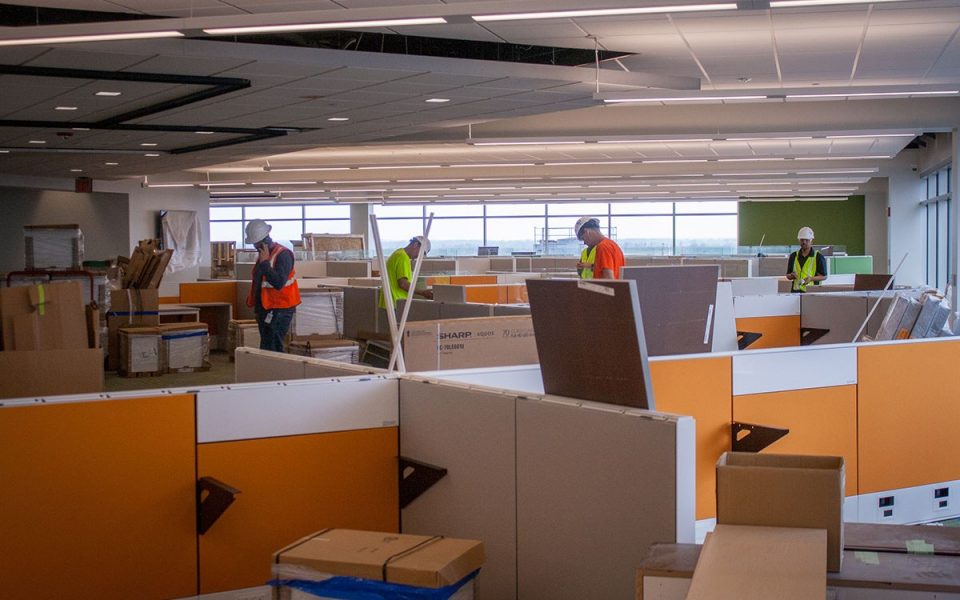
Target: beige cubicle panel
558	489
253	365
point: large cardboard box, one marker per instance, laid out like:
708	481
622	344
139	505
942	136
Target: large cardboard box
28	373
43	317
129	308
780	490
184	346
242	333
52	246
468	343
417	560
327	348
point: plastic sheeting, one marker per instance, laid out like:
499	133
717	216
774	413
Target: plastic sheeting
181	233
353	588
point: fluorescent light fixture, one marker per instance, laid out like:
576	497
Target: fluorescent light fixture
425	180
111	164
475	165
352	181
604	12
102	37
170	185
598	162
80	128
684	99
437	100
282	182
839	172
801	3
621	185
748	174
108	94
65	108
528	143
743	183
75	170
871	135
876	94
842	157
151	154
761	139
339	119
399	167
38	141
586	177
203	132
689	184
293	169
754	159
675	160
354	191
517	178
322	26
435	189
210	184
670	141
550	187
150	144
671	175
415	196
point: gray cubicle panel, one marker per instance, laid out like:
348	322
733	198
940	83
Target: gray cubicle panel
420	309
566	496
503	264
466	310
505	310
348	268
471	434
449	293
842	313
318	368
595	489
253	364
361	310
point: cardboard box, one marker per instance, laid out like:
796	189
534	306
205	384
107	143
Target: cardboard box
417	560
319	312
139	351
242	333
908	320
77	372
469	343
327	348
184	347
52	246
929	321
43	317
780	490
888	327
129	308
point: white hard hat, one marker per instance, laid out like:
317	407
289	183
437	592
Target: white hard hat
583	222
805	233
257	229
424	243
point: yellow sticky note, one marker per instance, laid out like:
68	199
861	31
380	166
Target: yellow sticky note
919	547
868	558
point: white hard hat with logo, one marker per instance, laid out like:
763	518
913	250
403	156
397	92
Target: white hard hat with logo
424	243
805	233
257	229
584	222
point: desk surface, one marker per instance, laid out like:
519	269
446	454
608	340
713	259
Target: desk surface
875	556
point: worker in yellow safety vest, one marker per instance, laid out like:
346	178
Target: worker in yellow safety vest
806	266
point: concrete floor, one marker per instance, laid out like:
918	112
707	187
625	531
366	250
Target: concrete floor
221	371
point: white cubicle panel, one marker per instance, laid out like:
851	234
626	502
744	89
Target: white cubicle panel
798	368
295	408
558	489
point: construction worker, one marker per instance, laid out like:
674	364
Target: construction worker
274	294
602	258
800	269
400	271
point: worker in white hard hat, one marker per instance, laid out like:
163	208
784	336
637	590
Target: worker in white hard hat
400	271
602	258
801	270
274	293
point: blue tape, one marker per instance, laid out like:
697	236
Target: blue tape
353	588
135	313
177	336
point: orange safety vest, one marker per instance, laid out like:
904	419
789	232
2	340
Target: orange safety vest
286	297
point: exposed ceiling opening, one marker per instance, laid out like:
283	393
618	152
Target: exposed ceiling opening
12	15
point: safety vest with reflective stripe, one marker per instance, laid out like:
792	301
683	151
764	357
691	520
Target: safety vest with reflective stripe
270	297
589	255
809	269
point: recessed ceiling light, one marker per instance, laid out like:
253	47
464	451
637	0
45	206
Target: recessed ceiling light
80	128
148	144
203	132
437	100
38	141
111	164
65	108
4	152
76	170
151	154
105	93
339	119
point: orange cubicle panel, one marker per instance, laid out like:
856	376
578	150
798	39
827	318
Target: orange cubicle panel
290	487
909	409
210	291
701	388
472	279
778	332
99	500
820	420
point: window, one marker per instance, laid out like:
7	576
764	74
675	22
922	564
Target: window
289	221
938	207
706	234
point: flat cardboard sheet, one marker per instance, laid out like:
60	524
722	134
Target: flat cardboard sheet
590	340
78	372
759	563
678	305
43	317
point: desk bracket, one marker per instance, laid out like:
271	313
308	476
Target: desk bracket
809	335
745	338
210	507
756	438
415	478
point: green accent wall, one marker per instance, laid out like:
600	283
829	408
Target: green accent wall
833	222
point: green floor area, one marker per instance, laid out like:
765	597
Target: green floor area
221	371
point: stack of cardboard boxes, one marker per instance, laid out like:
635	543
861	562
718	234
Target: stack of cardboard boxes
910	318
167	348
242	333
50	341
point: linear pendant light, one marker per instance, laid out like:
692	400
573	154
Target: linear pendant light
101	37
604	12
328	25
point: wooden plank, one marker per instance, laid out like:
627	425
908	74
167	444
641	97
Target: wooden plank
590	340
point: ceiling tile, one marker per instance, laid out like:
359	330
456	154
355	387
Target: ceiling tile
821	64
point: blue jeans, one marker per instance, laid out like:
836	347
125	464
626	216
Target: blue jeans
272	333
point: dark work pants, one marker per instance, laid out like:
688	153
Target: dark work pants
272	333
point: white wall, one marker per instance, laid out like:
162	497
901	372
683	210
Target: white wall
875	202
103	218
145	206
907	225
